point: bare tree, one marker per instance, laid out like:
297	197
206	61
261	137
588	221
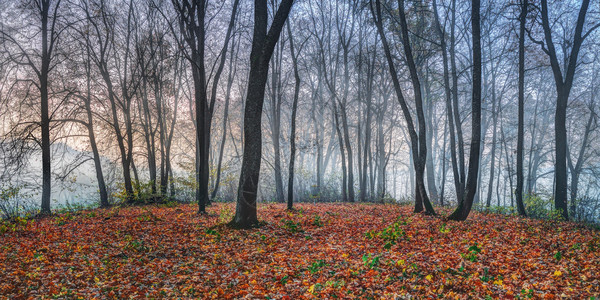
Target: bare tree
263	44
418	141
564	83
521	125
42	59
465	203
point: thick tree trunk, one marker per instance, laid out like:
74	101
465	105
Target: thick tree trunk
456	109
263	44
422	200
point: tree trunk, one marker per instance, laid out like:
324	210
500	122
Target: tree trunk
276	99
343	155
45	118
290	195
521	113
263	44
92	137
465	204
449	110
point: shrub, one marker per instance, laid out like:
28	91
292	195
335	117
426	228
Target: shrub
536	206
11	201
292	226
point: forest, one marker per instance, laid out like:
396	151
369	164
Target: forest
286	149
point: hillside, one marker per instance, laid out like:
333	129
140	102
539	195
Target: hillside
318	251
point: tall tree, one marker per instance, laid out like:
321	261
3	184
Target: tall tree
418	141
563	84
263	44
521	124
448	92
106	51
294	55
42	61
192	15
464	205
233	63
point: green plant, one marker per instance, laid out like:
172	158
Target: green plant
472	253
391	234
292	226
593	245
317	221
213	232
370	261
225	214
15	224
558	255
541	208
61	220
137	245
443	228
316	266
170	204
143	218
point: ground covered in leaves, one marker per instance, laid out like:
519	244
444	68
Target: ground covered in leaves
318	251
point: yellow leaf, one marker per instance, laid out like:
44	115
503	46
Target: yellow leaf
400	262
311	289
557	273
429	277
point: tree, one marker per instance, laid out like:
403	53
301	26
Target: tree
233	63
42	61
464	205
263	45
563	84
192	14
521	125
105	52
418	142
294	55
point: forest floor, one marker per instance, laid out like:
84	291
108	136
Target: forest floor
318	251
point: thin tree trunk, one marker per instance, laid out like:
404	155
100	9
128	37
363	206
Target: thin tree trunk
290	195
521	113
